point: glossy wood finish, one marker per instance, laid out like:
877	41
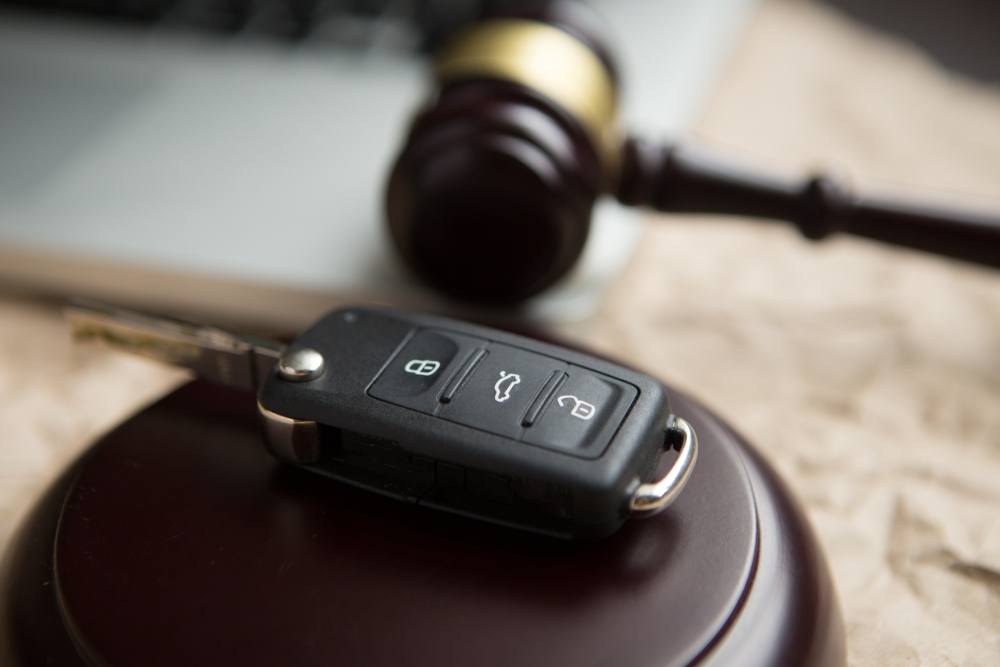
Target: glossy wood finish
182	542
490	199
670	179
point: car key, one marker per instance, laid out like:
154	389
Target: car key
442	413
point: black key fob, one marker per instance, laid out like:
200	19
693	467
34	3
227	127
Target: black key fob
475	421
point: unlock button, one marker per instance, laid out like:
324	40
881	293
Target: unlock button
578	407
582	414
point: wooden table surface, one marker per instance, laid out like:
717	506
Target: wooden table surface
869	376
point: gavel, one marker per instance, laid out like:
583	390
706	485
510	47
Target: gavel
491	196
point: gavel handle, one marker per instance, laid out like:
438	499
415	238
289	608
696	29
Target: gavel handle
671	179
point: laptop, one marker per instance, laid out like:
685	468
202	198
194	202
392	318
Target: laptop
227	159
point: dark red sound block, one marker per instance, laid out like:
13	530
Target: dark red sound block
177	540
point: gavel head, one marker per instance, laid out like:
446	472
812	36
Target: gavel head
490	198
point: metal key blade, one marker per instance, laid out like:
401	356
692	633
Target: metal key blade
214	354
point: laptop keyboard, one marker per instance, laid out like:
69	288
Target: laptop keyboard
394	24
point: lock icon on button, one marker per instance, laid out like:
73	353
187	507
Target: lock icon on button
422	367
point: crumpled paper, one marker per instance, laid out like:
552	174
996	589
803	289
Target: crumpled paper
869	376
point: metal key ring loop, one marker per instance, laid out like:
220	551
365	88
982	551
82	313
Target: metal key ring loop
653	497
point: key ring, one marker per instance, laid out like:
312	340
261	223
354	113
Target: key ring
653	497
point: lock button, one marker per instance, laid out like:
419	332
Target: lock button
583	413
420	371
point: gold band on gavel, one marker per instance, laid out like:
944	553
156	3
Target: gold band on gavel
543	58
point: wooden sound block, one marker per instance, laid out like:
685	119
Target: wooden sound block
177	540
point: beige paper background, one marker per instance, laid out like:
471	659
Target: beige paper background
870	377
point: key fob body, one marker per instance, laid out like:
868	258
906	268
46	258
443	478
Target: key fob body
471	420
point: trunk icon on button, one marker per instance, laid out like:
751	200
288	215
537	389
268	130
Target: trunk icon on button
505	385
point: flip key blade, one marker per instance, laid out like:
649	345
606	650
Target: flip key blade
216	355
